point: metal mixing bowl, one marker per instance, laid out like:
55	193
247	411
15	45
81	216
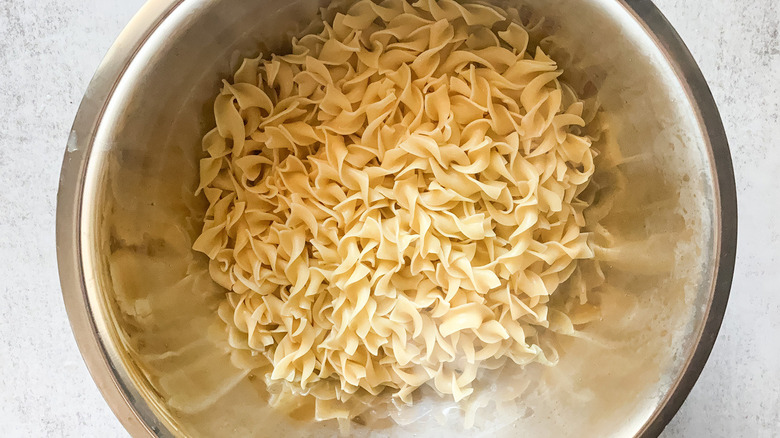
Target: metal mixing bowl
133	289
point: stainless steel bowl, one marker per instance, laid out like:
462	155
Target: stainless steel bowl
125	219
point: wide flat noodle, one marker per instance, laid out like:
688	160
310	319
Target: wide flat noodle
394	203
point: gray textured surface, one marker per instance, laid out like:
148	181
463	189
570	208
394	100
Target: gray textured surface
48	51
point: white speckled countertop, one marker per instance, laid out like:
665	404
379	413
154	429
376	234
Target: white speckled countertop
48	52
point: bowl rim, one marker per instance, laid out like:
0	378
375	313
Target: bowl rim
96	348
679	57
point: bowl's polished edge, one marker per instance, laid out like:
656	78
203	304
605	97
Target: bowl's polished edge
136	417
692	79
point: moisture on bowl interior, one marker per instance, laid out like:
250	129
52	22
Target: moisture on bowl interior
403	201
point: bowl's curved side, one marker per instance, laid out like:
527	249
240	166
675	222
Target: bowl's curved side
690	75
98	353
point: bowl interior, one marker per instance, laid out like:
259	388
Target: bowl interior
152	296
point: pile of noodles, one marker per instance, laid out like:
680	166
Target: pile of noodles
394	203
